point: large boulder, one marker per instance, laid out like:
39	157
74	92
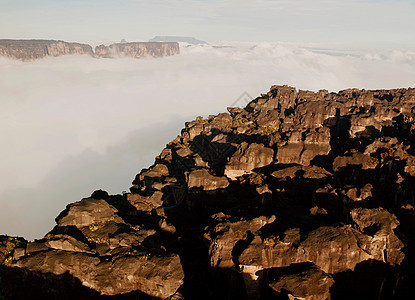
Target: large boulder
202	179
247	158
88	212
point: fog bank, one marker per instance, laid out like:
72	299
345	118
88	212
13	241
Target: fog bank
70	125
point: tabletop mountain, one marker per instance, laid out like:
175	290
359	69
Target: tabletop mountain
28	50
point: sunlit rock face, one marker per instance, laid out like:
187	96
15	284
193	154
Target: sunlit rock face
27	50
137	50
299	195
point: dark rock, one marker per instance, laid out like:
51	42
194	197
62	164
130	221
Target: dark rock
247	158
299	194
304	281
202	178
89	212
99	194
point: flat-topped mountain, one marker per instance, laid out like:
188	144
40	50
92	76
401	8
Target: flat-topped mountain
299	195
179	39
35	49
137	49
27	50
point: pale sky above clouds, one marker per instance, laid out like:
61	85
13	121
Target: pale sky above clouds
368	22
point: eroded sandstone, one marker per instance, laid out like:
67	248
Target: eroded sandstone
298	195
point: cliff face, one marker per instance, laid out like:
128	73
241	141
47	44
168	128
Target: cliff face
137	50
27	50
298	195
35	49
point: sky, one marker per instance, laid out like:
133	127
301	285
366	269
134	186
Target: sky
385	23
70	125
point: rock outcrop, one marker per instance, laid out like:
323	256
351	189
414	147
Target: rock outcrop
95	244
137	50
34	49
27	50
299	195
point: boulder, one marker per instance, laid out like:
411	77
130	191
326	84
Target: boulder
88	212
202	179
247	158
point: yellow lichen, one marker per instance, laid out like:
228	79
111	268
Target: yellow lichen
136	228
271	129
93	227
11	243
241	235
242	122
146	256
271	241
98	240
160	212
48	236
372	162
257	179
8	260
388	153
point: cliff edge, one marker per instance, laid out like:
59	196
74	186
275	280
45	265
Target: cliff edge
35	49
27	50
137	49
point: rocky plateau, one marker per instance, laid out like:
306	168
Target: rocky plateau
299	195
28	50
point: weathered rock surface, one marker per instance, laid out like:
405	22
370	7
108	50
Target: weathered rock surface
28	50
93	244
137	50
303	281
247	158
35	49
202	178
155	276
299	195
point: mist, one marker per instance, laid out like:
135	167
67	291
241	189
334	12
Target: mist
71	125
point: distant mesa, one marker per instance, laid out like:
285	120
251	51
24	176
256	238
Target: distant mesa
27	50
137	50
178	39
34	49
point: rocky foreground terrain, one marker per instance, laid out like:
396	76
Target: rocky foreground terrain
27	50
299	195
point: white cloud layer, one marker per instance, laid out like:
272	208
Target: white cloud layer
71	125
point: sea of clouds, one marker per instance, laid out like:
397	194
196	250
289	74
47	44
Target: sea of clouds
71	125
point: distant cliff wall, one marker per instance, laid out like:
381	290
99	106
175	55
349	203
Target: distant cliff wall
34	49
27	50
137	50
